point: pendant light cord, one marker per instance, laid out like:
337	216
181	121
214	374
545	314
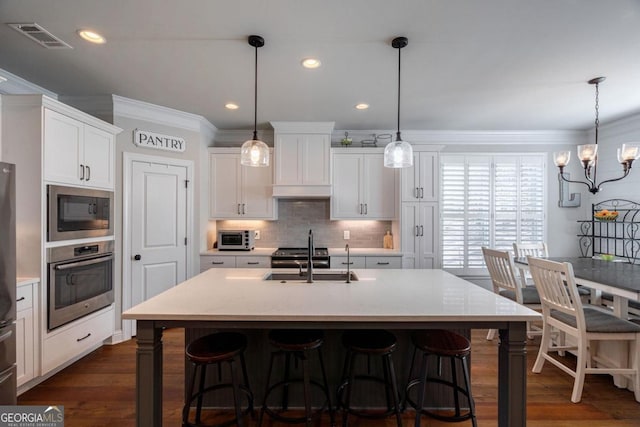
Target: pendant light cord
255	98
398	138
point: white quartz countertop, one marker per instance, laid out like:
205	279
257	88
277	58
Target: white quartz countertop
254	252
364	252
379	295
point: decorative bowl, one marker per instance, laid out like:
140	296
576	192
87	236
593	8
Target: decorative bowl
605	215
606	257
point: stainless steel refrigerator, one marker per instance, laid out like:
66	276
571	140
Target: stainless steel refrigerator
7	284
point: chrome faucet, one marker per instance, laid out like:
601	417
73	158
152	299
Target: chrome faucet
346	248
310	258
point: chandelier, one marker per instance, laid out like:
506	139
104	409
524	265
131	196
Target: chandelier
588	154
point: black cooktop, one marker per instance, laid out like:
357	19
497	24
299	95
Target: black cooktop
299	252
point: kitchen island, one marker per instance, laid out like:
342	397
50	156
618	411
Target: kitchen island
394	299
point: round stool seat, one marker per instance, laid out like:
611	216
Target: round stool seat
442	343
296	339
376	341
216	347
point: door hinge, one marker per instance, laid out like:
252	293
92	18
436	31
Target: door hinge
185	241
186	183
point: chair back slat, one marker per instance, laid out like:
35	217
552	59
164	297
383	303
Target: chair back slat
501	270
557	287
531	249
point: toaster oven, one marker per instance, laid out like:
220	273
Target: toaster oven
236	240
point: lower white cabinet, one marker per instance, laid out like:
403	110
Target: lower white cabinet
26	331
67	342
340	262
232	261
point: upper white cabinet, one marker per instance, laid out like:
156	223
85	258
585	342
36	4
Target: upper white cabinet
77	153
420	183
302	160
362	187
236	191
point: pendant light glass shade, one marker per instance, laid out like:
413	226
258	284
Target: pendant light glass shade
255	152
399	153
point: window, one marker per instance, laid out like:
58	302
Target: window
489	200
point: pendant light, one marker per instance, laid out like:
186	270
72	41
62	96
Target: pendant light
255	152
588	154
399	153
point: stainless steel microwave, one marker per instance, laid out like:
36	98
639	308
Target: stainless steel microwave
236	240
78	213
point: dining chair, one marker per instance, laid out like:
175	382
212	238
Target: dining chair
521	250
505	283
562	310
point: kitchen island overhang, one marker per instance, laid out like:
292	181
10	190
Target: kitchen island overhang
394	299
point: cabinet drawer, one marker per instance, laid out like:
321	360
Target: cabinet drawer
215	261
341	262
76	338
24	297
253	261
383	262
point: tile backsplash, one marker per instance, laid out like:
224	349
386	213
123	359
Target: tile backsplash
297	216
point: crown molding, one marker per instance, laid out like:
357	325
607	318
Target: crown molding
15	85
621	128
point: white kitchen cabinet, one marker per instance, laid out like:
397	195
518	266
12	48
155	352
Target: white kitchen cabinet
368	261
76	339
236	191
420	182
362	187
302	160
26	330
77	153
233	261
420	235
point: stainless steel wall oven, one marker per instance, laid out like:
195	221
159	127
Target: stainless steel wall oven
80	281
77	213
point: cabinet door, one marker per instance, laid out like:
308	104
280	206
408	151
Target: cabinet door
429	235
346	200
429	169
257	192
379	186
63	148
420	183
286	155
224	186
315	158
410	235
99	158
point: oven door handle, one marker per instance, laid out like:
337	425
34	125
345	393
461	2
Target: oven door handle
83	263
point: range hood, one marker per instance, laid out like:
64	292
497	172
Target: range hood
302	159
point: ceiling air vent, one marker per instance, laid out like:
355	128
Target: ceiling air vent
39	35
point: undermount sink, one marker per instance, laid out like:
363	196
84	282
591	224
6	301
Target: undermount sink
332	276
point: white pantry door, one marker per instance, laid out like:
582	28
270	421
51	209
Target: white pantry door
158	244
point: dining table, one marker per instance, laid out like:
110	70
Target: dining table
395	299
617	277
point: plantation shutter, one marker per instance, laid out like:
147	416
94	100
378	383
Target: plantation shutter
489	201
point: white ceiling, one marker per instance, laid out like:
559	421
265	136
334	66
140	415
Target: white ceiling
469	65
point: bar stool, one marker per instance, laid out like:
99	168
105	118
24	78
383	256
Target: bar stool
296	343
455	347
369	343
218	348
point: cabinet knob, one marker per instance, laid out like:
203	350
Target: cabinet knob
137	257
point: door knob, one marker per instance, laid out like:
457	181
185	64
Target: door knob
137	257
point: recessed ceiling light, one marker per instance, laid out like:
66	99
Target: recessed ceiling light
362	106
231	106
310	63
92	36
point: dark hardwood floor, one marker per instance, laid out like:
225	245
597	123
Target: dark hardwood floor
99	390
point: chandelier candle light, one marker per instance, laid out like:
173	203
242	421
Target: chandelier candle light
255	152
399	153
588	154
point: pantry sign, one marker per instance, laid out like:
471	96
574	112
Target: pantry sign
145	139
